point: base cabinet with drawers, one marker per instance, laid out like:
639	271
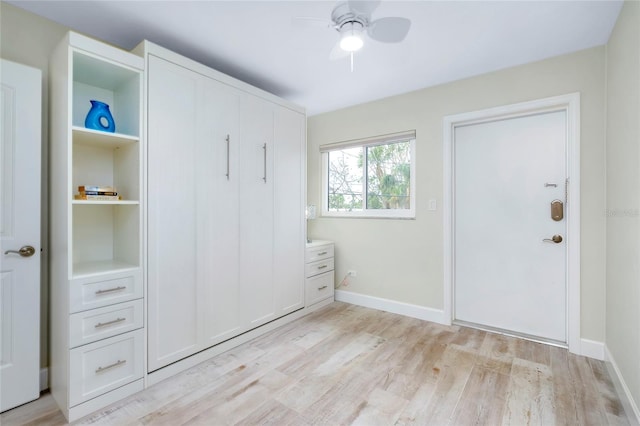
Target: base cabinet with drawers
97	289
319	272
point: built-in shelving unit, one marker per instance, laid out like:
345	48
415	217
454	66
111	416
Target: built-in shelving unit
96	259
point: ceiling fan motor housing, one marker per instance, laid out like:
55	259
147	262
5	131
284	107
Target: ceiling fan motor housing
346	19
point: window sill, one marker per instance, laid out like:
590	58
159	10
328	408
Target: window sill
409	215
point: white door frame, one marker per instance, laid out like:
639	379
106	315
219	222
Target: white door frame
569	103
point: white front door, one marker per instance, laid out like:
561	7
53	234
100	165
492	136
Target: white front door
509	269
20	115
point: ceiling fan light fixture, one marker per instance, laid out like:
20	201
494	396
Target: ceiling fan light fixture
351	40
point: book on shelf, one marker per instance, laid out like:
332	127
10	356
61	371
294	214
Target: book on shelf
97	193
97	197
96	188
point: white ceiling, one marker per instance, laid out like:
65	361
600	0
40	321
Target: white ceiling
256	41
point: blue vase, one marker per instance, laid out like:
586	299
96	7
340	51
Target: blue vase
100	118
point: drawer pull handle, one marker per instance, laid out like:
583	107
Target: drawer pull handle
322	253
322	288
111	290
108	367
322	266
104	324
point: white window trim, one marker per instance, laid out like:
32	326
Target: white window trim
409	213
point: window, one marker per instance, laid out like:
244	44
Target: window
370	177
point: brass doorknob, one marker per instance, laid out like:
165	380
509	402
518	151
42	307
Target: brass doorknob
555	239
26	251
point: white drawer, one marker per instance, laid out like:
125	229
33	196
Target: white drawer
90	326
319	253
99	367
94	292
319	288
320	267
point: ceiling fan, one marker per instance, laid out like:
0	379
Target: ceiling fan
352	20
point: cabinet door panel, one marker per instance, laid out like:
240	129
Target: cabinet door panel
289	181
218	209
172	201
256	211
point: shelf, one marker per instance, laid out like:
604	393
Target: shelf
99	202
98	268
100	73
90	137
104	231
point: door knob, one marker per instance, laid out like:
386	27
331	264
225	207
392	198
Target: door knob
25	251
555	239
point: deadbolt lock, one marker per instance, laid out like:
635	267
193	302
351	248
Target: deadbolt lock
557	210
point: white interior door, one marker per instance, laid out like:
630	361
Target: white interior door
506	175
20	140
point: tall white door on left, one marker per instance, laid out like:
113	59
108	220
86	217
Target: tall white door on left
20	139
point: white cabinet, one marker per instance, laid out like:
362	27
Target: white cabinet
172	196
97	324
289	198
218	207
96	244
193	181
257	211
319	270
225	207
105	365
271	210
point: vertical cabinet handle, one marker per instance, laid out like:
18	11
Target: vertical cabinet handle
264	177
228	143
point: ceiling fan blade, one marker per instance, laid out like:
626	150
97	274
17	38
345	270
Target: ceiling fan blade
303	21
389	30
363	7
337	53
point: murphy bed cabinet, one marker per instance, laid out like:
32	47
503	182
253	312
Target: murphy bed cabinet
225	210
97	305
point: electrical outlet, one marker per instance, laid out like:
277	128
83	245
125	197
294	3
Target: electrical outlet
352	273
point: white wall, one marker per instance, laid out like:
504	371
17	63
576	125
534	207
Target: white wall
28	39
623	197
402	260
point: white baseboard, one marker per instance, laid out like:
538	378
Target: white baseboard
592	349
401	308
630	406
44	379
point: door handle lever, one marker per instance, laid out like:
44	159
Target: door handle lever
555	239
25	251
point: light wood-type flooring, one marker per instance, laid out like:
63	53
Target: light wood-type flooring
348	365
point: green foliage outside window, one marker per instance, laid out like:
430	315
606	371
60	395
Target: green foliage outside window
387	177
